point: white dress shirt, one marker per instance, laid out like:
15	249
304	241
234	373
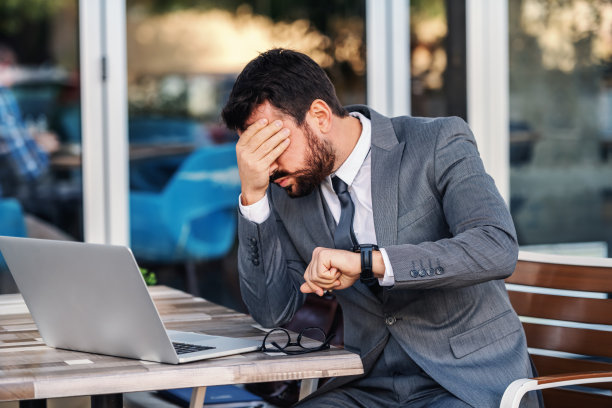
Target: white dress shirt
356	172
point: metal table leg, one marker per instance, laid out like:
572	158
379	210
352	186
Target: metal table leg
39	403
107	401
309	385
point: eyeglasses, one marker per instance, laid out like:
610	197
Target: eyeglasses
310	339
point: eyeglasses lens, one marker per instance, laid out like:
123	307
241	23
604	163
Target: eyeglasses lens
276	339
311	338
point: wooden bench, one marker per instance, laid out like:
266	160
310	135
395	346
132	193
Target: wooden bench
566	308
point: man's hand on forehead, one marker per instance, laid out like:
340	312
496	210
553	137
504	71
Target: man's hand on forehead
257	150
265	110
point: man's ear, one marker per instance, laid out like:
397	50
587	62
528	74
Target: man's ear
321	115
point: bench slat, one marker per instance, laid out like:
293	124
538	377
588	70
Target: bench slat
548	365
560	398
569	274
571	277
584	310
569	340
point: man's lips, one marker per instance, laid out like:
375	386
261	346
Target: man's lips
283	181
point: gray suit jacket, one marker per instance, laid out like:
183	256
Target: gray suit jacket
450	240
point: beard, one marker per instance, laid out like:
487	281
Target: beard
320	159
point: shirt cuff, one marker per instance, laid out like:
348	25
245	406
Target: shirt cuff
388	279
257	212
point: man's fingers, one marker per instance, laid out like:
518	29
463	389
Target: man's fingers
325	280
309	286
251	131
255	141
271	143
307	272
314	288
277	151
305	288
328	275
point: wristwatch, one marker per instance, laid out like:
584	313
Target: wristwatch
366	275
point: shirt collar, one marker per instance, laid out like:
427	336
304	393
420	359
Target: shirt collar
349	169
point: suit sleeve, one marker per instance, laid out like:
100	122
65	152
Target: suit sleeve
270	271
483	245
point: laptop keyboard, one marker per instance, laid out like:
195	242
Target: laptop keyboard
184	348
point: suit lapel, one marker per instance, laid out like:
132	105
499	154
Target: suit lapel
315	214
385	179
386	156
386	159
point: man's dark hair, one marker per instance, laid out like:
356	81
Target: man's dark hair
288	79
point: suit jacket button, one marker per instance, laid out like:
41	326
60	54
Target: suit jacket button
255	262
390	320
422	272
439	270
414	273
431	272
253	241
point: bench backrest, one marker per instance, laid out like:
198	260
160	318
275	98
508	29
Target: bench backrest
566	308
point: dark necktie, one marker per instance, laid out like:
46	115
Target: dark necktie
344	237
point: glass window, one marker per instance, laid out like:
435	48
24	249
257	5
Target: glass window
183	59
561	125
438	58
40	137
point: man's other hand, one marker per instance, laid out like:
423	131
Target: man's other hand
331	269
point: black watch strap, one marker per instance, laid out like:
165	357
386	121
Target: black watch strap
367	276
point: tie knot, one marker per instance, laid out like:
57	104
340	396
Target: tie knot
340	186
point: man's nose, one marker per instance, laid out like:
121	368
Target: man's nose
272	169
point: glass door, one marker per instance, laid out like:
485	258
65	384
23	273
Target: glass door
438	58
40	131
561	125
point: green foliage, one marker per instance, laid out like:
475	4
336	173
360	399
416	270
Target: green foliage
425	9
17	14
149	277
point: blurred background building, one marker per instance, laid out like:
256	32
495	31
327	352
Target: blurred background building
133	90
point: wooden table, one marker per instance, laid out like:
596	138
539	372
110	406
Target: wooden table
31	370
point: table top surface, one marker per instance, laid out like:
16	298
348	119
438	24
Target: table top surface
31	370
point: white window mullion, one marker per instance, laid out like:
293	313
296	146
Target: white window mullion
94	196
104	121
377	56
388	56
400	52
117	168
488	86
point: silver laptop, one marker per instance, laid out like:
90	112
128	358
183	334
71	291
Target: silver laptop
93	298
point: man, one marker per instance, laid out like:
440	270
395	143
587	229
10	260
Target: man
433	325
24	157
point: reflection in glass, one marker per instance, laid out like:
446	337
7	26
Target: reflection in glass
438	58
560	125
40	195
